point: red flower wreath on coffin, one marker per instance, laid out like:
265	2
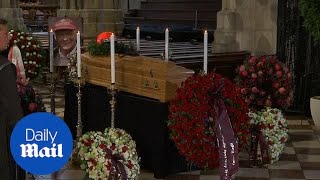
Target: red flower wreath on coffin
265	82
190	126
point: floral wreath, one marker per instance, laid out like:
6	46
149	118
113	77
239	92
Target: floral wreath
31	101
103	154
190	124
274	128
265	82
30	51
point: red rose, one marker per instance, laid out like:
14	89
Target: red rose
251	97
254	90
252	60
260	73
279	74
124	149
244	91
254	75
277	67
244	73
275	85
260	64
262	93
282	90
251	69
242	68
32	107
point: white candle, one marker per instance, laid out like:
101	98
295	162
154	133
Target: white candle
205	54
138	38
51	49
166	46
113	64
78	55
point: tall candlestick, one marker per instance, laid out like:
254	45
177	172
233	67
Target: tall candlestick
205	54
138	38
78	54
166	46
51	49
113	65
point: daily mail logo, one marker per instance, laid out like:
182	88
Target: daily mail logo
41	143
32	150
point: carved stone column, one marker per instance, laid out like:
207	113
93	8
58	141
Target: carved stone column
247	25
10	11
98	15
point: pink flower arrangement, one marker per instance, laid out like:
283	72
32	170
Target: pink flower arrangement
265	82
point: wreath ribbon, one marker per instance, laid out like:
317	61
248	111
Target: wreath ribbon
15	57
258	139
227	143
117	165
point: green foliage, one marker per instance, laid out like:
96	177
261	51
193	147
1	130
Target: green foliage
103	49
310	10
96	49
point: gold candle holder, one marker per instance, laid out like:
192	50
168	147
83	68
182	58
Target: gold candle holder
53	81
113	91
79	82
75	160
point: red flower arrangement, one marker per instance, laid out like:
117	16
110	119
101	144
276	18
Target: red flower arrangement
30	52
31	101
190	124
265	82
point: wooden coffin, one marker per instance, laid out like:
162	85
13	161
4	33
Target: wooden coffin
145	76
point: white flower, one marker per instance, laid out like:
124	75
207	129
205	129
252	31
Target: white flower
27	54
21	37
271	117
29	43
15	41
110	137
23	46
18	34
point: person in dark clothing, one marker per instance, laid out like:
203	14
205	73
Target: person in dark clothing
10	109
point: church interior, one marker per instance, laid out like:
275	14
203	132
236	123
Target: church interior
177	67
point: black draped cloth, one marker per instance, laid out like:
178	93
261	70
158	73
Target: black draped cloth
143	118
10	114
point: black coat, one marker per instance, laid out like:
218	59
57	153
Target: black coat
10	113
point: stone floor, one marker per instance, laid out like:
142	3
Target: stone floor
300	160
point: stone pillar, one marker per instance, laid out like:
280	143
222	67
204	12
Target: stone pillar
10	11
247	25
130	5
98	16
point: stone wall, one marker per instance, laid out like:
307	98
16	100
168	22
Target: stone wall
130	4
10	11
98	15
247	25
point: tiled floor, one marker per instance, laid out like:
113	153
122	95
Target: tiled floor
300	160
